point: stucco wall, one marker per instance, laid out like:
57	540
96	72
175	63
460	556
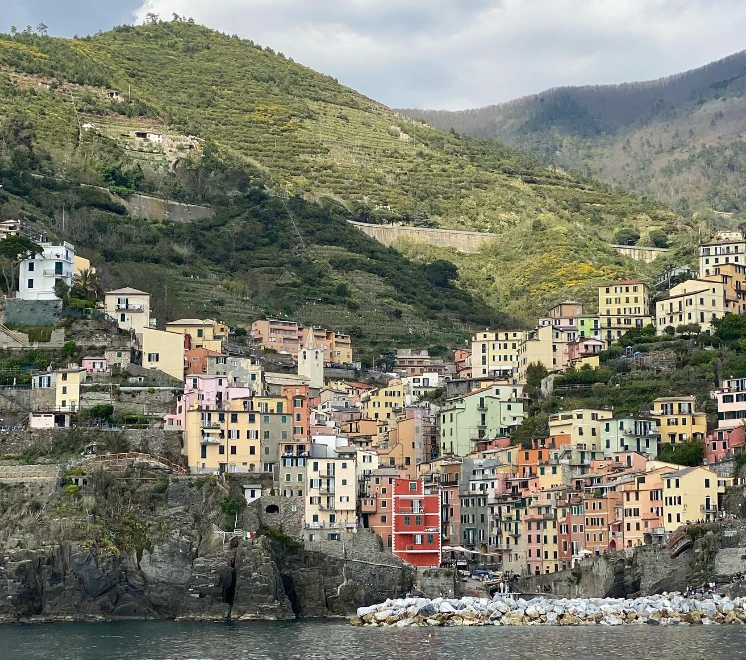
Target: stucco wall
463	241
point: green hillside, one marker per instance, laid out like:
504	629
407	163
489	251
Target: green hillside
237	120
678	139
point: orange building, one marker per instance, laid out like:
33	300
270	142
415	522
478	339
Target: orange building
196	360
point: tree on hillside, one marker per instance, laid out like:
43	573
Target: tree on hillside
659	238
441	272
42	29
689	453
535	373
87	280
13	30
627	236
386	360
152	18
730	327
13	250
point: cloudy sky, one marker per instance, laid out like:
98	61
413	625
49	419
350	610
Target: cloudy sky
444	53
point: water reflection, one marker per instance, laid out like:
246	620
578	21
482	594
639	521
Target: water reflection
336	640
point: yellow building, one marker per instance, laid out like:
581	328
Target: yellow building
129	307
80	264
677	419
623	306
331	502
227	440
164	351
384	403
495	352
203	333
689	494
537	347
67	391
733	277
697	302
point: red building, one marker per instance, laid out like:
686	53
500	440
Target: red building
416	523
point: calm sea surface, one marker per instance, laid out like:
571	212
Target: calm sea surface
339	641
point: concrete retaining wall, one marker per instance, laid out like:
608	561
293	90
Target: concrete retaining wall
463	241
154	208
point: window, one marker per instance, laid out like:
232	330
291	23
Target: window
153	357
200	332
30	284
383	518
122	317
412	485
233	449
31	267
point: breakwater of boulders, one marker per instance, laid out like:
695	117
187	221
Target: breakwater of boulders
660	610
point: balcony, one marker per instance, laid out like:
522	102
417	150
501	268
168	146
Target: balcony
326	490
207	440
51	272
130	308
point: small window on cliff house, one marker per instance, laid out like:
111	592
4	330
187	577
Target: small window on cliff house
272	508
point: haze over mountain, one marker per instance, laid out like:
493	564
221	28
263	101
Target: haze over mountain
241	123
678	139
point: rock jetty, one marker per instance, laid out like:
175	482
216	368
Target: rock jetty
660	610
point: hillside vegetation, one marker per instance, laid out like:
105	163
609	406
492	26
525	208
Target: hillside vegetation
678	139
243	123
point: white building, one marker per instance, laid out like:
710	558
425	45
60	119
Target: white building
39	273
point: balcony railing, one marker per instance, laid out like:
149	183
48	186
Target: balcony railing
207	440
130	308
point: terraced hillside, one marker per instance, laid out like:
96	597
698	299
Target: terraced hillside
177	110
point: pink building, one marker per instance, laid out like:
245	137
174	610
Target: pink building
206	392
724	443
731	400
94	365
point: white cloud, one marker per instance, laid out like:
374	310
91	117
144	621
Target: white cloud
466	53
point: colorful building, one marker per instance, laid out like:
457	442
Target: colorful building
677	419
416	523
623	306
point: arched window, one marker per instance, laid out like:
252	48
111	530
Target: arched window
272	508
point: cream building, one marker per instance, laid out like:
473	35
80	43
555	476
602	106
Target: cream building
692	302
584	426
331	502
538	347
712	255
164	351
623	306
203	333
689	494
129	307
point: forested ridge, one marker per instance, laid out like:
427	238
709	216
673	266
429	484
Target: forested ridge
677	139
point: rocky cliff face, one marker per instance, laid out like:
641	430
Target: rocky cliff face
184	570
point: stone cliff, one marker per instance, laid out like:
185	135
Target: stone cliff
716	554
149	548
